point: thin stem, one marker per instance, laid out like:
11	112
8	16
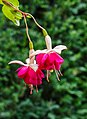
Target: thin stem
27	29
35	21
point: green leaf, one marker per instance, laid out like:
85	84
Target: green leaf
1	2
13	2
16	22
13	16
6	11
16	14
10	13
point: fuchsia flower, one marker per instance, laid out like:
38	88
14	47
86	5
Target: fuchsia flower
49	59
31	73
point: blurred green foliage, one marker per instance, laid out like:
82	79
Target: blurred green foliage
66	23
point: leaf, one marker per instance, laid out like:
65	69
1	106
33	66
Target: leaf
16	14
12	15
17	22
6	11
1	2
13	2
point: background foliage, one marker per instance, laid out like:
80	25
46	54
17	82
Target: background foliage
66	22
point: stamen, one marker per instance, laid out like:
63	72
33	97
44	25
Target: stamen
60	73
31	88
47	78
57	74
31	91
36	89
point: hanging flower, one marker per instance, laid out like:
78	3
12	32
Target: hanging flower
49	59
29	72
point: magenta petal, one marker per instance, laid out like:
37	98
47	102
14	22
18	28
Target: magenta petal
26	79
50	67
58	63
56	60
40	75
57	66
30	78
54	56
22	71
39	58
19	69
39	81
60	59
36	77
49	61
44	58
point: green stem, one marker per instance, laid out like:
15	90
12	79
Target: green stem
30	42
43	30
27	29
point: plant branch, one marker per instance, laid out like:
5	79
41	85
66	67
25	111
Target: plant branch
25	14
16	9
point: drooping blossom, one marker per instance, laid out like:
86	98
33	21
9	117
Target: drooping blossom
49	59
30	72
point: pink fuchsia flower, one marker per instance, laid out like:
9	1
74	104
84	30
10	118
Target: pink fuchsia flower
31	73
49	59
